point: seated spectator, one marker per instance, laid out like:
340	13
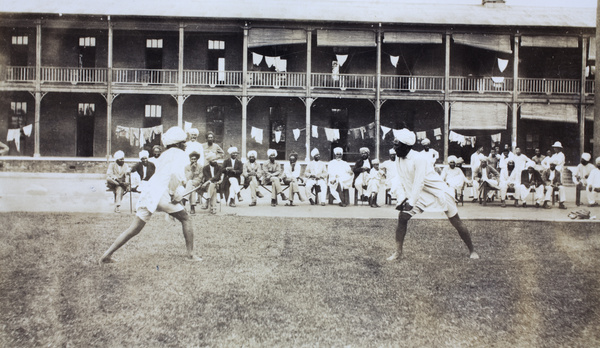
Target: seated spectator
193	176
232	168
454	176
272	175
483	176
316	177
3	149
391	171
116	178
374	182
581	175
593	186
143	170
431	154
361	172
553	182
509	180
156	151
212	175
194	146
538	158
340	177
252	174
291	176
531	180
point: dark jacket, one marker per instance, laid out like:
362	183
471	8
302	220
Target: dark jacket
139	168
237	170
357	168
546	177
536	179
208	176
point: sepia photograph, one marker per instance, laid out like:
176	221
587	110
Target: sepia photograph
277	173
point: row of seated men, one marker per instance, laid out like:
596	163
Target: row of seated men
542	183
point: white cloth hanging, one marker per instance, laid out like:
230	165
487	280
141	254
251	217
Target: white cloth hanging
257	134
384	131
270	61
329	134
341	58
277	136
502	64
421	135
394	60
296	133
315	132
27	129
256	58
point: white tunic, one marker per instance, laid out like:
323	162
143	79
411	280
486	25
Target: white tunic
340	171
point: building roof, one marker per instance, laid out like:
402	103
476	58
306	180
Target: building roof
364	11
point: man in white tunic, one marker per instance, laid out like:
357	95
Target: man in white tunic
340	177
558	156
390	169
453	176
164	193
421	188
593	185
431	154
316	177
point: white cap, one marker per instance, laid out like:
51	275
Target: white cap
193	131
452	158
557	144
252	153
194	147
143	154
530	164
173	136
375	161
232	150
425	141
406	137
586	156
338	151
314	152
392	151
271	152
364	149
211	156
119	155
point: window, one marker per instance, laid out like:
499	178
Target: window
215	117
19	113
153	111
216	45
87	42
154	43
532	141
86	109
20	40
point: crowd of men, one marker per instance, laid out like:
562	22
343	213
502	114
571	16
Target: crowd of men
502	174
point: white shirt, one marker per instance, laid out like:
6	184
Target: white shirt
594	179
432	155
316	168
391	171
340	171
416	176
560	160
520	162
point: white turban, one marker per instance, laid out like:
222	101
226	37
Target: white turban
143	154
232	150
314	152
211	156
173	136
406	137
392	151
252	153
119	155
364	149
338	151
193	147
271	152
425	141
193	131
530	164
452	158
483	157
597	160
586	156
553	161
375	161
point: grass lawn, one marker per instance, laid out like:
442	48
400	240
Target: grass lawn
268	282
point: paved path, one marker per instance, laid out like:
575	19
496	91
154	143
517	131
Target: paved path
86	193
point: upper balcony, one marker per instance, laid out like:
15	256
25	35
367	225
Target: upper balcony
203	79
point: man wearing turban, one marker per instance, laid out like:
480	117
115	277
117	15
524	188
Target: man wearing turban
531	180
232	168
252	173
212	175
272	175
116	178
164	193
291	177
316	178
340	178
421	188
453	176
361	172
144	170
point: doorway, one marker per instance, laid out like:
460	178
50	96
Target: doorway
85	129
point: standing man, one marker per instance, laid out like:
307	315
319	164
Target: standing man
252	174
391	171
232	168
422	187
431	154
593	186
316	177
156	151
376	178
272	175
210	146
163	194
558	155
553	182
520	160
537	158
475	163
361	172
194	146
116	178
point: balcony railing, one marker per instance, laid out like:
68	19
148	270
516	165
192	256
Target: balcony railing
145	76
276	79
212	78
343	81
20	73
74	75
412	83
389	83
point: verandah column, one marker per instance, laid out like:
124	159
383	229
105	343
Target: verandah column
180	98
109	96
378	96
515	93
309	99
446	92
38	88
244	99
584	46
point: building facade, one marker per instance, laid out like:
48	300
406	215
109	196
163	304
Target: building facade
87	85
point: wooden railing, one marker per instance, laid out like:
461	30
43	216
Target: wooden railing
389	83
276	79
20	73
73	75
145	76
343	81
212	78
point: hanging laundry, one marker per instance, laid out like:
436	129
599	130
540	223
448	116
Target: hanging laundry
315	132
502	64
355	133
157	130
384	131
296	133
147	134
142	139
277	136
187	126
280	65
437	133
496	138
363	130
14	135
122	132
421	135
371	130
256	58
341	58
394	60
329	134
270	61
27	129
257	134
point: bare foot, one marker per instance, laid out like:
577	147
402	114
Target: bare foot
474	256
194	258
395	256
